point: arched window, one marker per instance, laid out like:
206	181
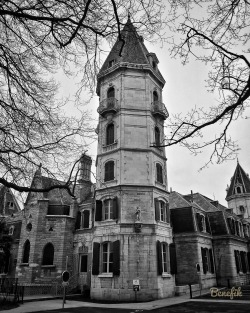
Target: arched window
242	209
110	134
111	92
157	136
26	252
238	189
109	171
159	176
48	254
155	96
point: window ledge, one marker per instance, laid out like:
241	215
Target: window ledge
106	222
24	264
166	275
48	266
160	184
106	275
165	223
109	181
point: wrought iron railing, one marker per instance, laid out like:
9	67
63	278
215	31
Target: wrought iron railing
10	290
108	105
158	108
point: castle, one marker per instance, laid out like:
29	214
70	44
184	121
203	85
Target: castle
129	227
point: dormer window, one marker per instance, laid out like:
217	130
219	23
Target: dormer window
11	230
238	189
154	65
242	209
201	222
111	63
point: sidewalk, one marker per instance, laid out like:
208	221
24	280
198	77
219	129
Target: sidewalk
53	304
35	304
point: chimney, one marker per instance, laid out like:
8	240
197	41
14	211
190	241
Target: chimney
85	177
85	168
192	196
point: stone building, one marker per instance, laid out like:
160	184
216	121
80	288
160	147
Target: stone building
10	222
128	226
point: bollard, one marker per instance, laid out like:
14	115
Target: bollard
190	290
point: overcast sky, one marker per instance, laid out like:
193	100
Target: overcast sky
185	88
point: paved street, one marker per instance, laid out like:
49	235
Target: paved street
158	306
188	307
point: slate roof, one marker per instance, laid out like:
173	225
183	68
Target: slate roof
241	178
131	50
196	200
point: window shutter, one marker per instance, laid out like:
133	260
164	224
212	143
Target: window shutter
248	260
204	263
173	261
157	210
208	229
116	257
98	210
78	220
96	258
159	257
167	212
243	261
237	261
86	219
211	260
115	208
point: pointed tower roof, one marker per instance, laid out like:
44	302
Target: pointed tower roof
130	50
240	178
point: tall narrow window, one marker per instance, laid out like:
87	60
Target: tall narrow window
110	134
107	257
159	176
157	136
109	171
155	96
83	263
26	252
164	256
85	218
162	211
48	254
108	209
111	92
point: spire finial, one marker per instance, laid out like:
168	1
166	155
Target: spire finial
129	21
237	160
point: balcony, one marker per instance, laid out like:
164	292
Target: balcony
107	106
158	109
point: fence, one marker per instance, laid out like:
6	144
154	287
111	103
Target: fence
10	290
